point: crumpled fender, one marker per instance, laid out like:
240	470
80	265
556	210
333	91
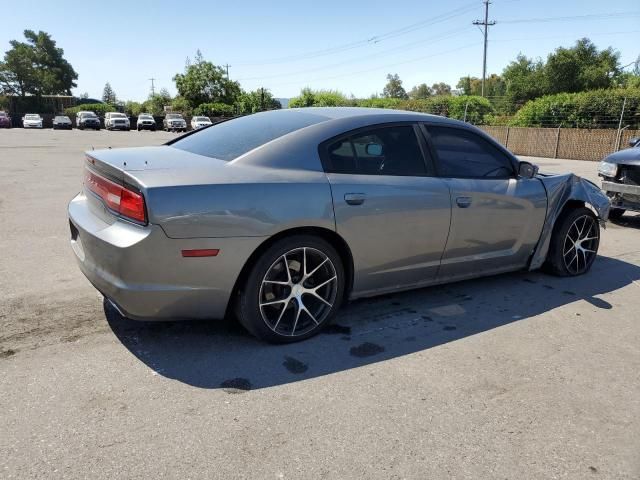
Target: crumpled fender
560	190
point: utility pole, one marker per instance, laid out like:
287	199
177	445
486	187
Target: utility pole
153	89
227	67
486	25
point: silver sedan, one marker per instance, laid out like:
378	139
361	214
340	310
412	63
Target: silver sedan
281	216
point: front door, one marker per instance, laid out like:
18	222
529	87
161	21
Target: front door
496	217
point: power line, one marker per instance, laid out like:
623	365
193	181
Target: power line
572	17
404	47
370	40
417	59
486	23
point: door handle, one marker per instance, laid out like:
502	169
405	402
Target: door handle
354	198
463	202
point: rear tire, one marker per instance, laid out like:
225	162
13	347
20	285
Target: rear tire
293	290
574	243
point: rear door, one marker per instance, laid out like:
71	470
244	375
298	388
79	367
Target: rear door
390	209
496	217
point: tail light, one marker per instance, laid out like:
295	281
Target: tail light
122	200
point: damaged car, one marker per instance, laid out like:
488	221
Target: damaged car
280	217
620	174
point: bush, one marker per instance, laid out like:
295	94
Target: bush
593	109
471	108
215	109
319	98
378	102
99	108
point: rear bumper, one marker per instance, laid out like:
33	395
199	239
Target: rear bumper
142	271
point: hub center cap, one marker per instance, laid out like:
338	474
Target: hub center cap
297	290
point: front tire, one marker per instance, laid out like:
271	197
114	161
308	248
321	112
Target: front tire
574	243
293	290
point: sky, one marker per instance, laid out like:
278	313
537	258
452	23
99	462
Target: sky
287	45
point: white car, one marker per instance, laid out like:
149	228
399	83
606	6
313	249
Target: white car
32	120
146	122
174	122
199	122
116	121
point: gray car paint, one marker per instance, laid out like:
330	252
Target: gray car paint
397	239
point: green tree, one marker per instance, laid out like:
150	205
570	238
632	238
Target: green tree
394	88
108	95
494	86
441	89
464	84
155	103
420	91
181	105
133	108
524	79
257	101
36	67
581	68
204	82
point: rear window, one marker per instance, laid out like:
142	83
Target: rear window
233	138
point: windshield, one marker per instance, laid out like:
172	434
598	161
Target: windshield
88	114
60	117
32	117
2	114
146	117
202	119
174	115
229	140
118	115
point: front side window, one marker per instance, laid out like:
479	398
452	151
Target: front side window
390	150
464	154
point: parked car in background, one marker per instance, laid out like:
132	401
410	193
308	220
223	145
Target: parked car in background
5	120
620	172
116	121
200	122
62	122
87	119
32	120
146	122
174	122
280	215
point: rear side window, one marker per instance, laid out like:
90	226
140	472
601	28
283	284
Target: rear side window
465	154
392	150
231	139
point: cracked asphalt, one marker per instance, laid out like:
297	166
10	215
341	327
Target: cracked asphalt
515	376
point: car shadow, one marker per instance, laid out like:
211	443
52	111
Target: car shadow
220	354
628	220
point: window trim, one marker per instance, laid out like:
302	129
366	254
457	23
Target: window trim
427	158
424	127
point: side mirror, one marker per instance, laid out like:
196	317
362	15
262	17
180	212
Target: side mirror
527	170
374	149
634	141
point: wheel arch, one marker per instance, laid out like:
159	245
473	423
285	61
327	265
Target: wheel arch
335	240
